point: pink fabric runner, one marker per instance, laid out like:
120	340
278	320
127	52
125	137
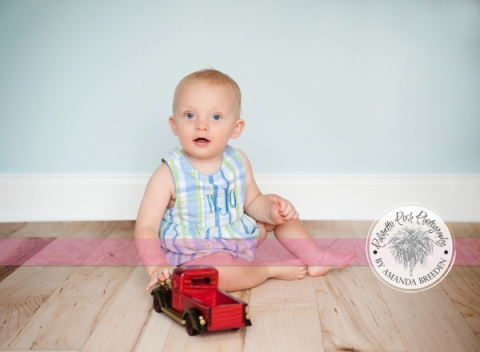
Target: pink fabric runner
80	251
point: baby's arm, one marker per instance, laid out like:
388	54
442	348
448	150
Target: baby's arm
158	194
268	209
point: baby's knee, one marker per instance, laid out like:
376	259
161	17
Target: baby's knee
264	229
262	233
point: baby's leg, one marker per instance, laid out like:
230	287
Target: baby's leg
237	274
295	237
242	276
264	230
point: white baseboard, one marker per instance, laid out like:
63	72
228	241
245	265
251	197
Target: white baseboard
85	198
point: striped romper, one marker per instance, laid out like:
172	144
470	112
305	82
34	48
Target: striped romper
208	215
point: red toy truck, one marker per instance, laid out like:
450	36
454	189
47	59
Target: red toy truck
192	298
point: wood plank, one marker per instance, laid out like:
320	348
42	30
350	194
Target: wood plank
178	340
76	229
345	309
16	251
284	317
40	350
462	285
23	292
71	313
465	229
6	270
26	289
46	229
338	229
154	333
429	321
360	228
8	229
330	229
124	323
354	315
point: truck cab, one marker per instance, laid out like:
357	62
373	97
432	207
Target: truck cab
192	298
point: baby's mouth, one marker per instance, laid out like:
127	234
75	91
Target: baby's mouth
201	140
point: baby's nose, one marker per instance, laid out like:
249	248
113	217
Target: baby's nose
201	125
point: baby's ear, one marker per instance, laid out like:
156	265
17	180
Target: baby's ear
173	126
239	126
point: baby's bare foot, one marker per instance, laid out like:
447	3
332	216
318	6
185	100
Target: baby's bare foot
294	269
329	261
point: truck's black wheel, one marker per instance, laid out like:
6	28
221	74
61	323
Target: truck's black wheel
189	326
156	304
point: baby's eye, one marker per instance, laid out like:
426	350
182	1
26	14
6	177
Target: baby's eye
189	115
216	117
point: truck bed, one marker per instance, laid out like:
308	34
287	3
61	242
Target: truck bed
221	310
213	298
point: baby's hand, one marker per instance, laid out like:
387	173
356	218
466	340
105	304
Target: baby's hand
159	274
282	210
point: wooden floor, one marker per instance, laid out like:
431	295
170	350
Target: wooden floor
106	308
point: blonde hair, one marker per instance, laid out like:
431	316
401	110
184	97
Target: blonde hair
211	76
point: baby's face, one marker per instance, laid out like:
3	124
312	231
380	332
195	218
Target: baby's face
205	117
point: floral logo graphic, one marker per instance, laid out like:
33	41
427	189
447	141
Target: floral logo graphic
410	248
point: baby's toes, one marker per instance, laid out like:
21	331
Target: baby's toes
302	272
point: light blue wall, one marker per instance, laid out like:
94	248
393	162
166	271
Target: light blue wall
329	87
